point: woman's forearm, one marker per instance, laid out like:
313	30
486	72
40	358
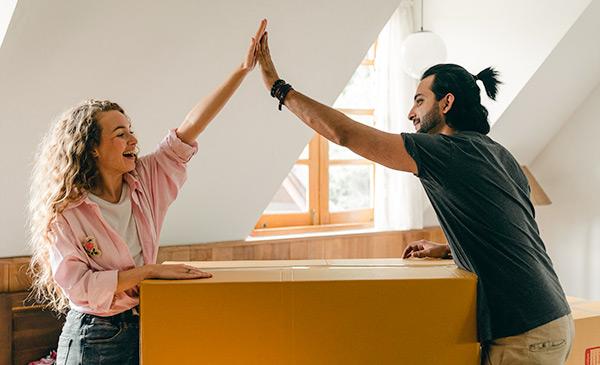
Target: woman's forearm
206	110
128	279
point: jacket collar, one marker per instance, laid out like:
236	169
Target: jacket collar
131	180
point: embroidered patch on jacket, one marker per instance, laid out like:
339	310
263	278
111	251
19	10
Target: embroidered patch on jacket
91	246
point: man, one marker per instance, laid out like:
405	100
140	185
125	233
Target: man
481	197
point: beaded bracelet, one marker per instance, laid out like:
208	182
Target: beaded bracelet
280	90
276	84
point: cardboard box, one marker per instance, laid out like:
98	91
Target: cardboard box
586	347
380	262
313	312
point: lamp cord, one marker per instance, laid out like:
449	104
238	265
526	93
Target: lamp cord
422	1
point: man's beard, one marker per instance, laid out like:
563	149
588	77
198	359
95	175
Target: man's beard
430	120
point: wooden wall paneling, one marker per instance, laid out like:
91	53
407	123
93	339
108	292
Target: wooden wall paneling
5	329
243	252
173	253
307	249
18	278
200	253
271	251
4	275
376	245
347	247
222	253
13	271
387	246
438	235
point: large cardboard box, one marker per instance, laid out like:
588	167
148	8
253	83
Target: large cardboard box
313	312
586	346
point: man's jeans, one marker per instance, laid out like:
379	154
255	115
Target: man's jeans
549	344
88	339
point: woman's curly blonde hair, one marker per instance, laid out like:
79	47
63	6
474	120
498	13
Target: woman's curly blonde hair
64	169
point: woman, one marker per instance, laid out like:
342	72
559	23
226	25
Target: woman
96	214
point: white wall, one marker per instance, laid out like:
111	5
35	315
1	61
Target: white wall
515	36
565	78
569	171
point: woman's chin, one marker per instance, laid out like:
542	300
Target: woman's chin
129	167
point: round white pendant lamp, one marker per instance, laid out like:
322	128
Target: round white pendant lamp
421	50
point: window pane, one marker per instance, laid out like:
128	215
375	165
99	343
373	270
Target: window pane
304	154
292	196
359	93
350	187
370	53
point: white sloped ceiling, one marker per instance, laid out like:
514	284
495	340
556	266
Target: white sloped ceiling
157	58
555	91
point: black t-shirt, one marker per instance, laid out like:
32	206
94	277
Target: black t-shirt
481	197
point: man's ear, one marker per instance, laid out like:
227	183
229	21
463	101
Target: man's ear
95	153
447	103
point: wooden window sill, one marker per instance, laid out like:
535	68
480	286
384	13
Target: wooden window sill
310	231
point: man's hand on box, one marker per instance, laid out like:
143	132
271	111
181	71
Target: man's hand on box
424	248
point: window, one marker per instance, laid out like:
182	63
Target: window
7	7
329	186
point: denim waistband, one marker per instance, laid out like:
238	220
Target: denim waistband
130	315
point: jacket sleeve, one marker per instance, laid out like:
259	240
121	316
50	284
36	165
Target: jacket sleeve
164	172
71	269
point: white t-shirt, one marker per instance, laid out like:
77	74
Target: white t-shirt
120	217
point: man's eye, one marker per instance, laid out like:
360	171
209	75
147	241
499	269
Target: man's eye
120	134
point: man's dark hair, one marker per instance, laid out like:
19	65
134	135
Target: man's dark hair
467	113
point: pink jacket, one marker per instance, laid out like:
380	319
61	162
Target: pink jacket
88	277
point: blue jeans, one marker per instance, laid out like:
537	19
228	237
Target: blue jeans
88	339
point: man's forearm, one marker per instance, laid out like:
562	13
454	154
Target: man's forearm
381	147
328	122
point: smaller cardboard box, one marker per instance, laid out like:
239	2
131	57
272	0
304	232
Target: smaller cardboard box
586	346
